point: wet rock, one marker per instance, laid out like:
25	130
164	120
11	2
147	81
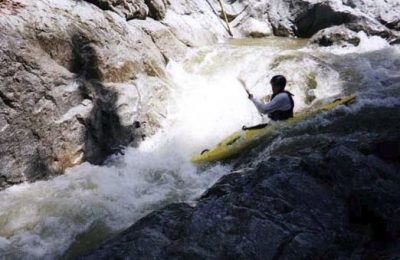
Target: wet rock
395	42
75	78
251	27
384	11
388	150
286	207
306	17
250	216
337	35
195	23
152	241
250	20
372	27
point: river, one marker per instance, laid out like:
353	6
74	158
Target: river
72	213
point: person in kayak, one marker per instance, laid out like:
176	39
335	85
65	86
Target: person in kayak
281	104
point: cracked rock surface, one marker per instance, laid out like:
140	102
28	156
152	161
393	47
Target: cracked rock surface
326	192
70	74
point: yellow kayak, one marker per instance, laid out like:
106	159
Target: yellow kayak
248	137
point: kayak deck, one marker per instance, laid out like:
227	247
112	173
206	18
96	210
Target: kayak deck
248	137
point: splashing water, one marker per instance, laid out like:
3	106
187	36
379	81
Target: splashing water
206	103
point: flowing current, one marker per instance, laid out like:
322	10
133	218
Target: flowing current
68	215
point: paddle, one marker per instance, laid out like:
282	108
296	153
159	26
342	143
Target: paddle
248	93
244	86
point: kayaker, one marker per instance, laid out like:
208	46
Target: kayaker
281	104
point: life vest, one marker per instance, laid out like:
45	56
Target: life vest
285	114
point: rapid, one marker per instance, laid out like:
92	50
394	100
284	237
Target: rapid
70	214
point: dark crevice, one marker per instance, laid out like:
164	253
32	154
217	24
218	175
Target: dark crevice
367	221
35	134
39	166
103	5
50	98
282	246
387	150
7	101
5	183
166	60
394	25
320	16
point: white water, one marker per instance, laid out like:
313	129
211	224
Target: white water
206	103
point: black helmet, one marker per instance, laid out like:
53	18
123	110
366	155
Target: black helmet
279	81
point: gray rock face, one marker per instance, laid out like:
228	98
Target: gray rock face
385	11
127	8
134	9
55	118
313	196
294	212
306	17
71	78
250	27
249	20
157	8
337	35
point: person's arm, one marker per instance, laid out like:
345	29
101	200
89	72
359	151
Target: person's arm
278	103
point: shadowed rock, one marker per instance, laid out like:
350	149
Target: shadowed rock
134	9
324	200
337	35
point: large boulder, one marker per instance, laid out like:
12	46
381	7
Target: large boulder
249	20
337	35
58	102
77	81
304	18
387	12
251	27
157	8
286	207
